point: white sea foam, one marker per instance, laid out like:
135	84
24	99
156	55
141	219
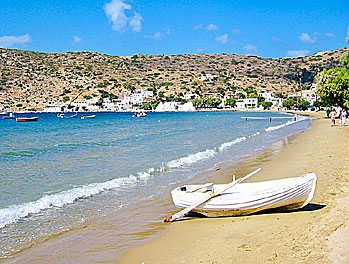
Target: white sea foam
299	118
13	213
231	143
192	158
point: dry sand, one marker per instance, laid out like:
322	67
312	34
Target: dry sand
319	233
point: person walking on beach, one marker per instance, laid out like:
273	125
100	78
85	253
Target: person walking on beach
333	115
344	117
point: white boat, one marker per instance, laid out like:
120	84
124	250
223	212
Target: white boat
139	114
87	116
248	198
9	116
62	115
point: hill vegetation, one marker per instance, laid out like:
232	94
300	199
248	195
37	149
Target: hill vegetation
31	80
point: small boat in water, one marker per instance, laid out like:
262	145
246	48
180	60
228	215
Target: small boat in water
139	114
247	198
87	116
62	115
27	119
9	116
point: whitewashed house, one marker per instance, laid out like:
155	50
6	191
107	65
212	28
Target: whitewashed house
187	107
53	108
167	107
207	76
247	103
277	102
189	96
135	99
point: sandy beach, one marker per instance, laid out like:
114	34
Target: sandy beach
317	233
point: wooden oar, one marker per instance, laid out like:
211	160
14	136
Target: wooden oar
189	208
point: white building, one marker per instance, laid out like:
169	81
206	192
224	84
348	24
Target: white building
174	107
247	103
136	98
167	107
266	95
277	102
308	95
189	96
53	108
206	77
187	107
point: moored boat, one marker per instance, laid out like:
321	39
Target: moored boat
139	114
87	116
27	119
248	198
9	116
62	115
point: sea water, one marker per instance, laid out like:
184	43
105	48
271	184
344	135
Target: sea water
57	174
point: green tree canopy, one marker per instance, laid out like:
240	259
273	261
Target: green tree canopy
333	87
230	102
304	105
288	103
266	105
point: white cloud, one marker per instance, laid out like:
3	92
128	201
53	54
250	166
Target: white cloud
250	48
167	31
115	11
8	41
329	34
306	38
156	36
199	26
297	53
136	22
211	27
159	34
222	38
77	39
235	31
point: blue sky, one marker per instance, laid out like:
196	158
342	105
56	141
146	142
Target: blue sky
126	27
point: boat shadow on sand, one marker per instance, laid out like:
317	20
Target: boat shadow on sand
308	208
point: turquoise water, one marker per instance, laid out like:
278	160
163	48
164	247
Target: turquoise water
56	174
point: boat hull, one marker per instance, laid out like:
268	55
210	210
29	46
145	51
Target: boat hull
27	119
248	198
88	117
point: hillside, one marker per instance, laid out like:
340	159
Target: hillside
31	80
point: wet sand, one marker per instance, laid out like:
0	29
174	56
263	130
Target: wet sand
318	233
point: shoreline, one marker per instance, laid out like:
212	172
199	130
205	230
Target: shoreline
309	235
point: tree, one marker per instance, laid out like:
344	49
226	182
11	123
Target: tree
230	102
288	103
266	105
146	106
333	84
197	102
304	105
345	60
334	87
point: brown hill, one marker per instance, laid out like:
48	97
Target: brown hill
31	80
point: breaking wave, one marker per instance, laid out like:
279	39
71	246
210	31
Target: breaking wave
298	119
